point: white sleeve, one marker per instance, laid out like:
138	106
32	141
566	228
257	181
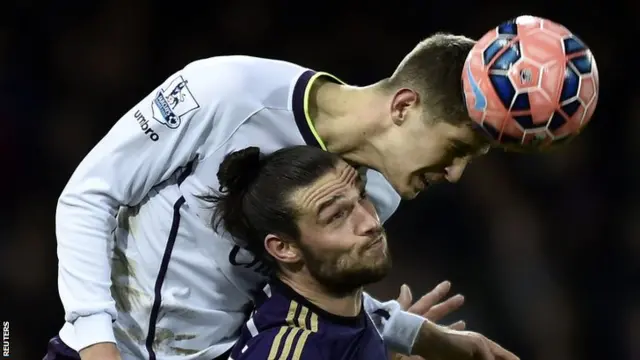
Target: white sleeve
399	329
170	127
384	197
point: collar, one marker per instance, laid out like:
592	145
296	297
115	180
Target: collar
351	321
300	106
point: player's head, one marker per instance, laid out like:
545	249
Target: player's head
305	211
429	137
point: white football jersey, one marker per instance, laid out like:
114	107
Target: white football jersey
138	261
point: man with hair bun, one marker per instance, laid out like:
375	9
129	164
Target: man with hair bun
306	213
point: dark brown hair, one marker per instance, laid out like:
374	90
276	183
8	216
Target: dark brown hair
255	190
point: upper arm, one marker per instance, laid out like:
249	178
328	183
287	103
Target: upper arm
176	123
173	125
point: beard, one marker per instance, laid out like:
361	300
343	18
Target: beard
342	273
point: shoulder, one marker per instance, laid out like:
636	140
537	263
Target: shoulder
222	75
282	343
226	92
246	74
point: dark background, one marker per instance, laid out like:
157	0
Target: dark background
546	248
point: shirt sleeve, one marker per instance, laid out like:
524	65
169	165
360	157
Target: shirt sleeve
285	343
170	127
399	328
384	197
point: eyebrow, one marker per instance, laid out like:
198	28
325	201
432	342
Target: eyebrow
462	145
359	183
328	203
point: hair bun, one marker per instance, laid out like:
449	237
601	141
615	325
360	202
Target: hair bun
239	169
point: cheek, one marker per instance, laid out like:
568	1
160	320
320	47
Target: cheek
325	241
433	152
423	154
371	209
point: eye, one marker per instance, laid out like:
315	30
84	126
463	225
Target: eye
456	151
339	215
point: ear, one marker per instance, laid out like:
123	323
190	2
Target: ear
402	100
281	249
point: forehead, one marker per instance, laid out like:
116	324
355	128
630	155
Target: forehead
332	184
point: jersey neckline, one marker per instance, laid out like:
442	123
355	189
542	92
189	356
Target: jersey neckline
300	106
351	321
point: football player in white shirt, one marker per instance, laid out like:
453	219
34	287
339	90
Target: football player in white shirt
143	276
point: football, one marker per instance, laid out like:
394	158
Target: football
530	83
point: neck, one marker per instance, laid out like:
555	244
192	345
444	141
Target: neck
348	305
347	117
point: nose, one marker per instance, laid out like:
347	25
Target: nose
367	219
454	172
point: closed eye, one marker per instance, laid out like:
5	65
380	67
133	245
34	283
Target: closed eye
339	215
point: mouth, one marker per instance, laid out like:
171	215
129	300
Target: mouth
428	179
375	243
425	182
422	184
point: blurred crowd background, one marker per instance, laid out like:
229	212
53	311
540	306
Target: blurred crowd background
546	248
